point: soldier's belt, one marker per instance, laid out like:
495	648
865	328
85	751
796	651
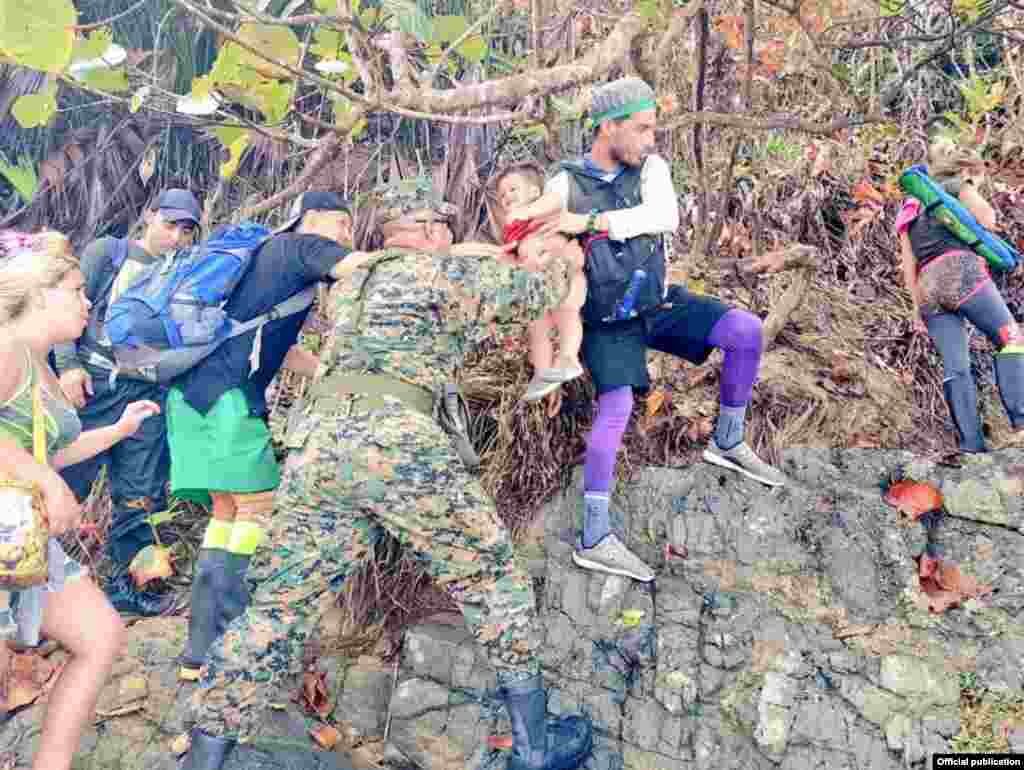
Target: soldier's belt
447	407
373	388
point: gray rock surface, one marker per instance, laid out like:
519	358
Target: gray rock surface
791	636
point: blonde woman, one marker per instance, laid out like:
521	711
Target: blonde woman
42	303
949	284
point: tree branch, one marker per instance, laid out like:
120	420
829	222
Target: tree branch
791	124
328	151
97	24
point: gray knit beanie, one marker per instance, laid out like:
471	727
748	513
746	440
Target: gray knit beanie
620	99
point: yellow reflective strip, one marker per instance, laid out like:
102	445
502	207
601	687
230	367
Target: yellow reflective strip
1011	349
246	537
218	534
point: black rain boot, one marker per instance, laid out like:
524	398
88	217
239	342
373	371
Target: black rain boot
207	752
1010	380
233	589
540	744
129	600
962	400
204	623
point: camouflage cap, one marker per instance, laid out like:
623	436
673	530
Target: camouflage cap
413	198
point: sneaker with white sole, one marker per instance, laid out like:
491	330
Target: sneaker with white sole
611	555
562	374
540	387
741	458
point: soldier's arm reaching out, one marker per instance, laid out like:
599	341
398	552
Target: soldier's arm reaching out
502	290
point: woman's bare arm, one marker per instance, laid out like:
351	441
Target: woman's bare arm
979	207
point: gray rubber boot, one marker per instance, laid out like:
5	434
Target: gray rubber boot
962	400
539	743
207	752
1010	379
204	624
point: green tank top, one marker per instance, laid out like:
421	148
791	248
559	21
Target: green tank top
60	418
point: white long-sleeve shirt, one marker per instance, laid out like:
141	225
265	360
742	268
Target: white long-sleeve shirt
658	211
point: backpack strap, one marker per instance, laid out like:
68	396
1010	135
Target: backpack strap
294	304
119	252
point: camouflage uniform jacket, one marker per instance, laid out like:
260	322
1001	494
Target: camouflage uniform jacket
416	315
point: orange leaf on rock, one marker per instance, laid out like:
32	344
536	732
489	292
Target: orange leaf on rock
326	736
654	401
945	585
29	676
152	562
314	693
913	497
927	566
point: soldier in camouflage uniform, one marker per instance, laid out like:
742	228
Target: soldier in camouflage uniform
369	457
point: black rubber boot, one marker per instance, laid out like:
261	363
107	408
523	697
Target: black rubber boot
205	623
129	600
207	752
540	744
1010	379
234	589
962	400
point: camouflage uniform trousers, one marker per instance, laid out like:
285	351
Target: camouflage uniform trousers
349	477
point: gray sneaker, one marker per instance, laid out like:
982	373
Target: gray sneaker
540	387
561	374
742	458
611	556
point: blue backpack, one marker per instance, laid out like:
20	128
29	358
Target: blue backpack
172	315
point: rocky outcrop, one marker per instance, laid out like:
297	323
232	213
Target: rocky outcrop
792	635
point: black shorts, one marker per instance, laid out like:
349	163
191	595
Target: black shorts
616	354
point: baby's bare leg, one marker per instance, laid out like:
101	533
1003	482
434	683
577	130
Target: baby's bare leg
567	320
541	350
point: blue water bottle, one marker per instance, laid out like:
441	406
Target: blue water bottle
625	309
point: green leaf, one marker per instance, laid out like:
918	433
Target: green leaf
357	130
92	46
109	80
34	110
237	148
647	9
278	43
890	7
409	18
160	517
326	6
201	87
273	98
327	43
227	135
474	49
448	28
22	177
139	98
38	34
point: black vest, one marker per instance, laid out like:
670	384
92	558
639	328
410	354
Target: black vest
610	264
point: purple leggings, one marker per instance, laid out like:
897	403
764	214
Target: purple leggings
737	334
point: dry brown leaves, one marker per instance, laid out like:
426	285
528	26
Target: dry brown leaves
945	586
314	693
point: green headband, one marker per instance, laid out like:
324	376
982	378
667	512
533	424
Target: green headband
624	111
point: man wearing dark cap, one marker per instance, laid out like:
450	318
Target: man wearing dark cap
620	198
216	412
137	468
